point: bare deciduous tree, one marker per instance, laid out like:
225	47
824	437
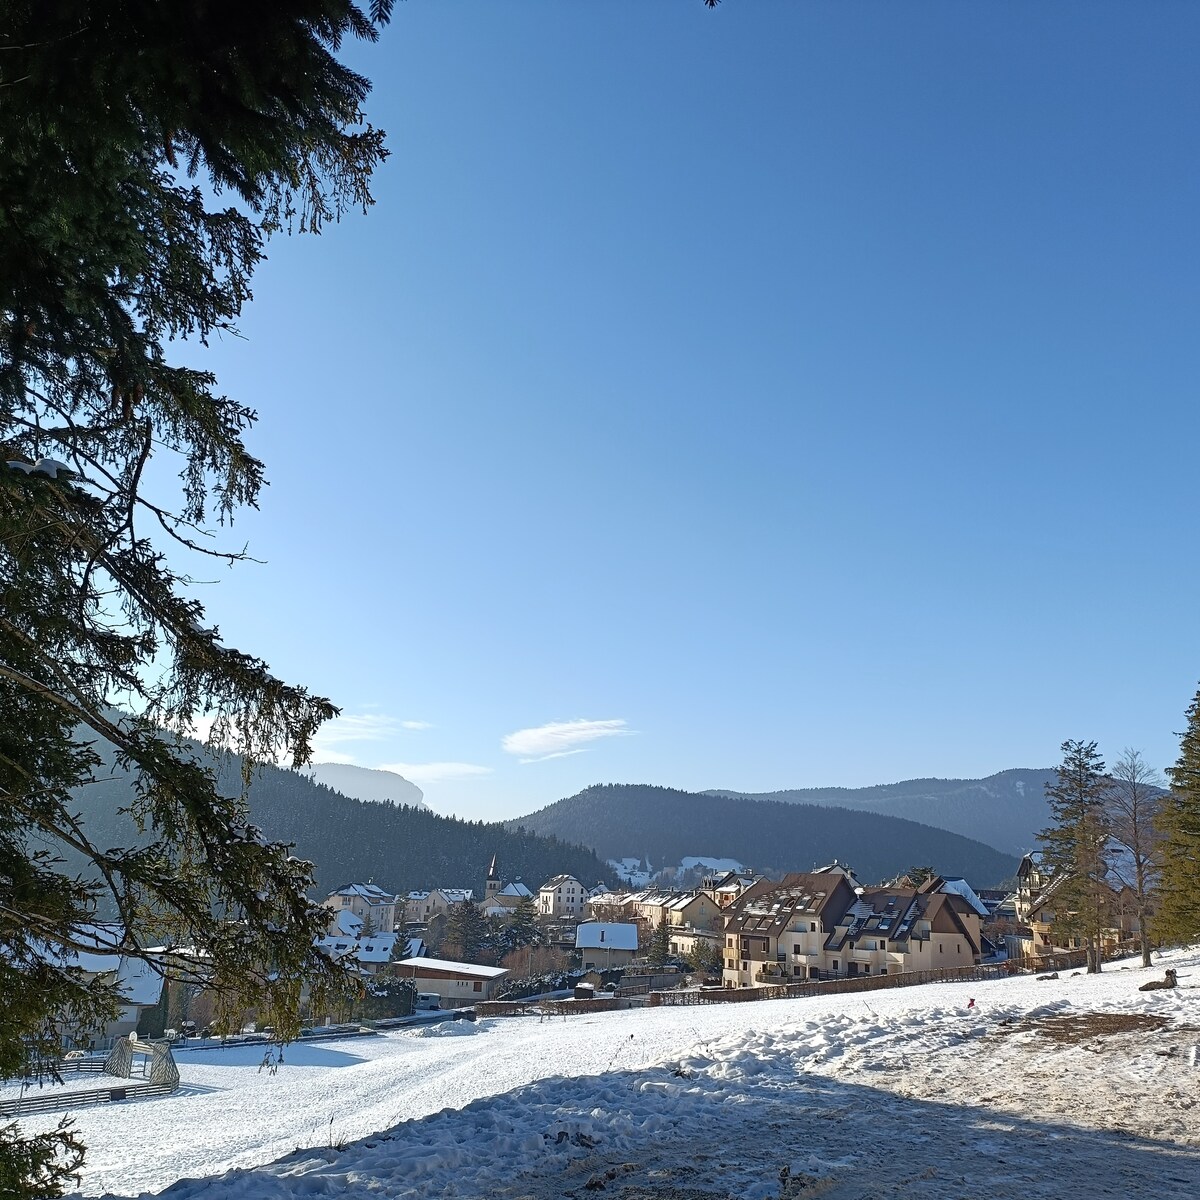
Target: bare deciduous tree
1134	800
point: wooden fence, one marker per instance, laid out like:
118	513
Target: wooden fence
40	1101
829	987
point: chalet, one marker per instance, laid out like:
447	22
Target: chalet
368	901
97	954
694	910
562	896
891	930
457	983
421	907
346	941
725	889
603	944
609	906
778	930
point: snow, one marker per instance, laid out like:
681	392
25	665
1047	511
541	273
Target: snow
904	1092
961	887
720	866
606	935
445	964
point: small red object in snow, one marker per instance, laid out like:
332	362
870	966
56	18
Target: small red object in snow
971	1002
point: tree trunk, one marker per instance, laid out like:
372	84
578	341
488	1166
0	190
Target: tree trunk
1145	939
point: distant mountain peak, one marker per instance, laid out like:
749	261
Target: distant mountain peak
1005	810
367	783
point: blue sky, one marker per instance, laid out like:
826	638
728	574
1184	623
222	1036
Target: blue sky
783	395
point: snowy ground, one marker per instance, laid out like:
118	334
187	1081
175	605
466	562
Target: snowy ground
1081	1087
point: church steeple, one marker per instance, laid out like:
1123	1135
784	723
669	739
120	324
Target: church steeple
492	886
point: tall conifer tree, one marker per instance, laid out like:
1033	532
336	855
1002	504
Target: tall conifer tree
123	123
1074	848
1177	919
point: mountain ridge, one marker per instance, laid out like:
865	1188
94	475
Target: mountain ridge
1006	810
366	783
667	824
400	847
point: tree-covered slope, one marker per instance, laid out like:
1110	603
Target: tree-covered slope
664	825
399	847
1006	810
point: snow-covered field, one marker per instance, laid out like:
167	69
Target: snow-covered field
1080	1087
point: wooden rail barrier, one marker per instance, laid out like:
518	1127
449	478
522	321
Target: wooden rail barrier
39	1102
829	987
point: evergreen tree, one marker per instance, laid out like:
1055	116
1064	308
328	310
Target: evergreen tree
466	929
387	994
659	949
109	252
705	956
523	928
1178	917
1074	848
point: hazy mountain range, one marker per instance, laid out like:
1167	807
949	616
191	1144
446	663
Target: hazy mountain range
399	847
1006	810
664	825
366	783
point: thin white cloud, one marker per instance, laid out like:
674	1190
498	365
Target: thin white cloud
557	739
357	727
435	772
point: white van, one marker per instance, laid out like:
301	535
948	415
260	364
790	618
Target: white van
428	1001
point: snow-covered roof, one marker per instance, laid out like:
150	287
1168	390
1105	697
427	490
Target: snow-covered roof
457	895
139	982
516	888
461	968
377	948
962	888
370	892
606	935
346	923
557	881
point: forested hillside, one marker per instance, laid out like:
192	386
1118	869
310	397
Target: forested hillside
664	825
1006	810
399	847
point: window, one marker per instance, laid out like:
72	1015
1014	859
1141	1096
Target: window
941	948
729	943
812	927
745	944
797	949
958	947
866	968
883	970
835	964
745	965
477	986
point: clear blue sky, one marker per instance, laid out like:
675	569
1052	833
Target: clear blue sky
793	394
